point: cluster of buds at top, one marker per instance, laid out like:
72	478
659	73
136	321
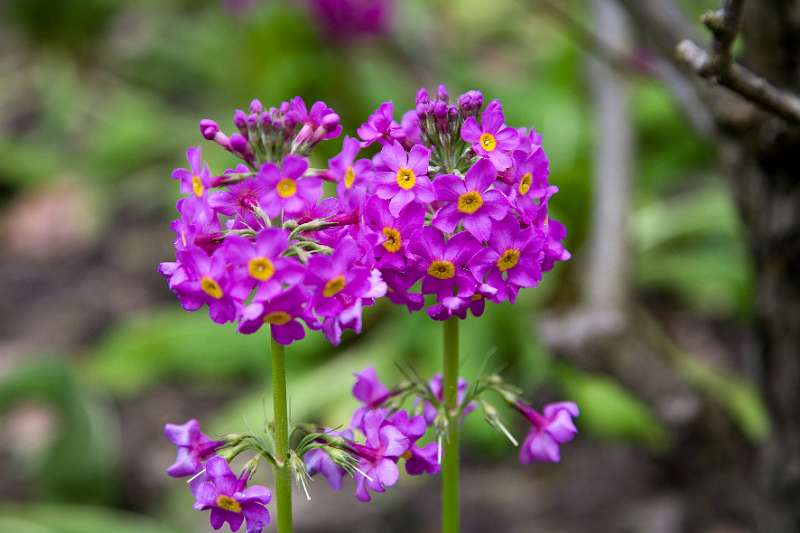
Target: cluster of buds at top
440	125
271	134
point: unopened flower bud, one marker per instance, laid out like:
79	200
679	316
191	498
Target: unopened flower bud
422	96
330	122
208	129
256	106
440	110
441	94
240	120
239	144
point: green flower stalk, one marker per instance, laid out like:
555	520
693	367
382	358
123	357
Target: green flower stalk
451	514
283	479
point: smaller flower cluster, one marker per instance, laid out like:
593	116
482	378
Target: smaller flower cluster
214	485
391	433
258	244
343	21
385	436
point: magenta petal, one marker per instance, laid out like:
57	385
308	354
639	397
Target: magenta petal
562	428
550	410
217	518
525	275
470	131
362	494
418	159
494	205
288	333
393	442
257	518
448	187
479	226
186	464
399	201
205	495
480	176
544	448
424	190
492	118
500	159
387	472
447	218
393	156
184	434
234	519
294	166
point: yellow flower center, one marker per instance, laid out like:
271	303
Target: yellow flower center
393	241
469	202
508	260
211	287
488	142
406	178
287	188
525	183
407	455
277	318
261	268
334	286
197	186
228	503
349	177
442	269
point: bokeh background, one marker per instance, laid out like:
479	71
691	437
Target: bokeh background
647	328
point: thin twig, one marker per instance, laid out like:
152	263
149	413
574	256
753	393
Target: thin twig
718	64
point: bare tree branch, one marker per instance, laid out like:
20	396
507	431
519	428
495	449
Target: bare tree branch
718	64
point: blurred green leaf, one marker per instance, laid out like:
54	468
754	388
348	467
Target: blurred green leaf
739	397
174	344
74	519
608	410
79	464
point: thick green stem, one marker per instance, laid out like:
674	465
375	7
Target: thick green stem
450	453
283	480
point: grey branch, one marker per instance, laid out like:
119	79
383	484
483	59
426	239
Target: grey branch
718	64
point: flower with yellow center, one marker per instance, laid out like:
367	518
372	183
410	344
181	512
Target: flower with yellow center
508	260
277	318
334	286
525	184
211	287
406	178
488	142
197	186
393	242
286	188
442	269
261	268
349	177
469	202
228	503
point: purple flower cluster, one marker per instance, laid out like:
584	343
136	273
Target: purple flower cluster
457	205
343	21
454	206
388	437
392	434
258	244
212	482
